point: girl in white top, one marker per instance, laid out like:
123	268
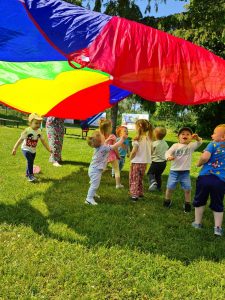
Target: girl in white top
140	157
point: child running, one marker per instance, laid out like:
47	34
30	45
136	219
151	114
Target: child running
113	157
180	154
124	149
99	161
158	164
29	139
211	181
140	156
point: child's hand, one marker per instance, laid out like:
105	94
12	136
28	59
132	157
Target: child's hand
196	137
14	152
169	158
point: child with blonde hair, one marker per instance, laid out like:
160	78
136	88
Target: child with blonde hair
105	127
211	181
99	162
140	156
158	164
29	139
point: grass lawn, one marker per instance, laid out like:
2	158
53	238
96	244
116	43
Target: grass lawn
53	246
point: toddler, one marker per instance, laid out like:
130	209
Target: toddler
211	181
29	139
180	154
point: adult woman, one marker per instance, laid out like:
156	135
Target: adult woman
55	133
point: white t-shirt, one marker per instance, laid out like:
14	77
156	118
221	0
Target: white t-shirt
159	149
30	139
144	152
182	154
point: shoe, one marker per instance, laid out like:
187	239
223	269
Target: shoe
187	207
134	199
167	203
97	196
31	178
91	202
196	226
218	231
153	186
56	164
119	186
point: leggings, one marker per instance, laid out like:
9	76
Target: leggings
115	166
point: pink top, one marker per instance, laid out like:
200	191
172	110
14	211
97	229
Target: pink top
112	154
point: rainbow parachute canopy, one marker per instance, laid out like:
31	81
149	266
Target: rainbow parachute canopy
45	42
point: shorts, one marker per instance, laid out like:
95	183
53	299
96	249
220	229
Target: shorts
182	177
209	185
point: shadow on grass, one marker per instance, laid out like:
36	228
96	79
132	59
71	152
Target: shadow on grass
145	226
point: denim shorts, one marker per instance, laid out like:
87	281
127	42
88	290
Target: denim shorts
182	177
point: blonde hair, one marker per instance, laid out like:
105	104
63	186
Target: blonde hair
34	116
94	141
161	132
143	126
120	129
221	126
105	126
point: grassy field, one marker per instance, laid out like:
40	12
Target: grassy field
53	246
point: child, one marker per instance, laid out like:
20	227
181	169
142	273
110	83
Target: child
124	149
140	157
180	154
211	180
158	159
113	157
29	139
99	161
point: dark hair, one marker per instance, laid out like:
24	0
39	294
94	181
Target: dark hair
185	129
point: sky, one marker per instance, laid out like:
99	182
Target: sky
171	7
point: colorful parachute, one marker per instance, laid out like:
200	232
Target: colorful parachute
43	44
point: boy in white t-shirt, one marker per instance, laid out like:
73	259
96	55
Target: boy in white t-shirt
181	154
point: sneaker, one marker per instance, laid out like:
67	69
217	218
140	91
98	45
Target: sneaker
218	231
167	203
119	186
91	202
153	186
134	198
196	226
31	178
56	164
187	207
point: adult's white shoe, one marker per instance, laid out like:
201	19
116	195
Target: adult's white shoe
91	202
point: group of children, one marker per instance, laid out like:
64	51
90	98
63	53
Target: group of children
148	147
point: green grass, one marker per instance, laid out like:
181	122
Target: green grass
53	246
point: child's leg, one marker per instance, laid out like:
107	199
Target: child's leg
171	185
151	174
142	169
95	179
121	162
201	197
185	181
199	214
134	180
169	194
187	196
160	167
30	162
115	165
218	219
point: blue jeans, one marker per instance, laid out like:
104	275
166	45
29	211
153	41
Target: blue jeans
182	177
95	179
30	162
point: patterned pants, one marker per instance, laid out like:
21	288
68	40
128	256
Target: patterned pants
55	133
137	172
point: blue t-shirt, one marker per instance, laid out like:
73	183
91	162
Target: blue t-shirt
123	151
216	163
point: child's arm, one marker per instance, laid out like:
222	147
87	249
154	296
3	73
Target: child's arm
119	143
169	153
128	151
204	158
134	152
17	144
44	143
196	137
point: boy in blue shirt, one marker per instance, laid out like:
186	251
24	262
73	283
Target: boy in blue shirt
211	181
